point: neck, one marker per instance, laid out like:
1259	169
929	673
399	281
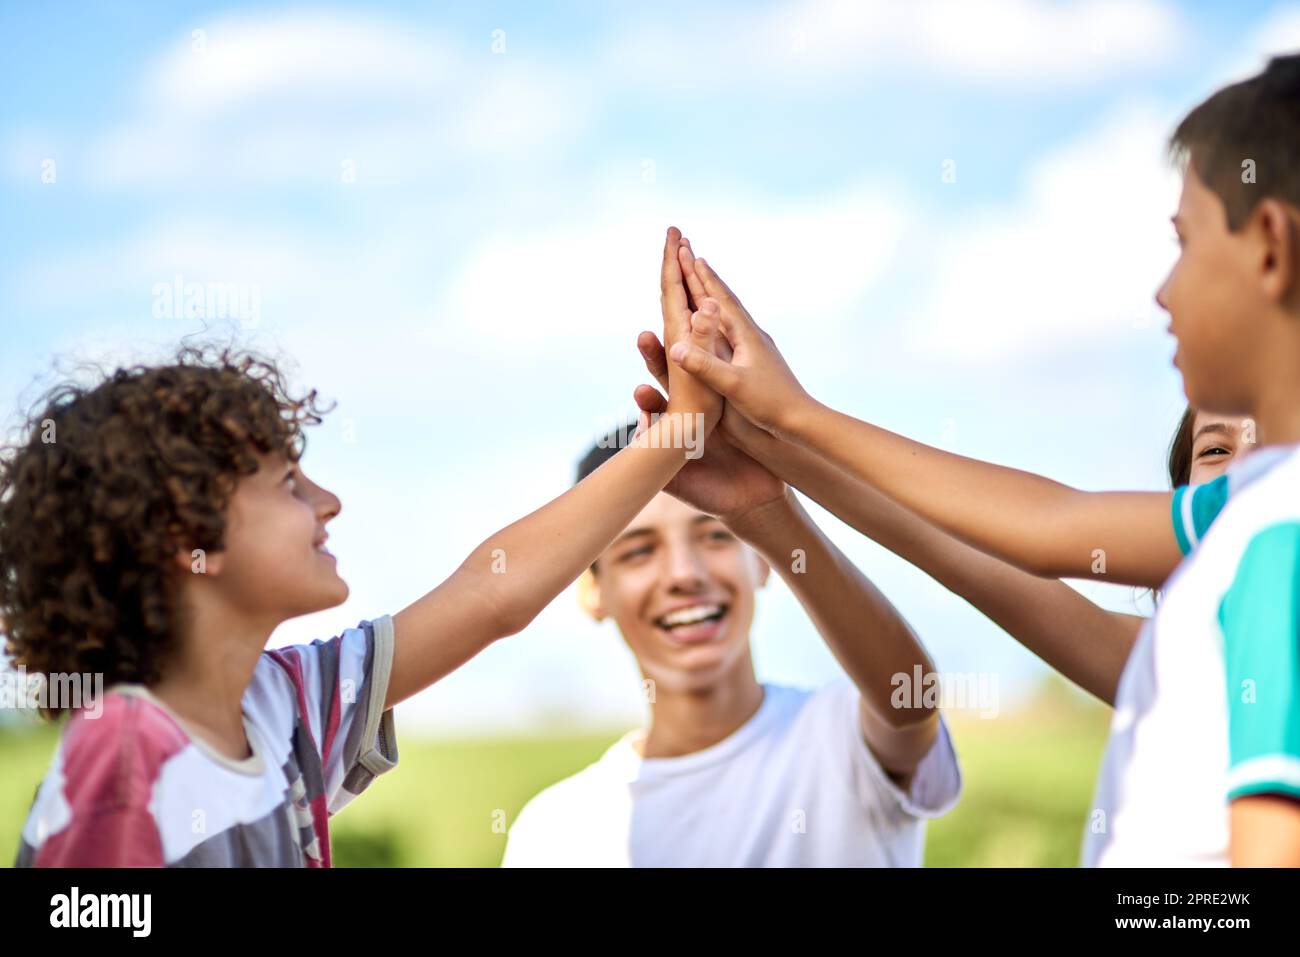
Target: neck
1277	416
1277	407
205	680
689	720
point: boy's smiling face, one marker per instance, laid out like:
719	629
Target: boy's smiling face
1213	296
275	565
680	586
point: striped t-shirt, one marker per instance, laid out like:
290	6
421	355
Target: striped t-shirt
129	786
1208	706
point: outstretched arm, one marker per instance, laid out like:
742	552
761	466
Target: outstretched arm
1039	525
1084	642
867	634
864	631
516	572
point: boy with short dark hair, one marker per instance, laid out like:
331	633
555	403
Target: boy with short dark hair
731	772
1203	765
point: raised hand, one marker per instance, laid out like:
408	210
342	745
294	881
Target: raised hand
725	482
755	378
733	427
687	395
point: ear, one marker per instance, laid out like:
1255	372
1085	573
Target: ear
1278	231
196	561
589	595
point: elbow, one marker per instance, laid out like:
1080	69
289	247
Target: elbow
913	719
511	621
502	610
899	717
508	614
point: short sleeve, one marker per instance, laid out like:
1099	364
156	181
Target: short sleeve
1194	509
342	685
1260	620
936	783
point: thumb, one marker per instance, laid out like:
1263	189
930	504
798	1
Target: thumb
717	374
737	328
704	325
706	330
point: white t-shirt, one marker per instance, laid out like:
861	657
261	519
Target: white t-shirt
1208	706
795	786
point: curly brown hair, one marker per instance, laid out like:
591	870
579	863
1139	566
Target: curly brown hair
107	482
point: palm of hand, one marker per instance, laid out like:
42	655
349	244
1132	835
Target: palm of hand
724	481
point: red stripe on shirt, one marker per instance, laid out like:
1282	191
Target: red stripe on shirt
110	764
287	658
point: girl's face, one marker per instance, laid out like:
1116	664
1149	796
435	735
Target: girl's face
1216	442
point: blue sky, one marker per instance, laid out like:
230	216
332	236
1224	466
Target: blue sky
451	217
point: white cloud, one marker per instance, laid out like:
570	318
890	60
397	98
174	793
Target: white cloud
1074	260
289	97
1014	43
794	259
302	54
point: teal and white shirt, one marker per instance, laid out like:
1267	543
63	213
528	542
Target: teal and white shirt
1208	707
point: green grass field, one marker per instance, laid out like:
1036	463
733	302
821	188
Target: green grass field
1029	779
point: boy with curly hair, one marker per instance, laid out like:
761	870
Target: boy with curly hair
160	538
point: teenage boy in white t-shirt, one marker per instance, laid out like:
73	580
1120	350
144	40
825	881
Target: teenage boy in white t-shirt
728	771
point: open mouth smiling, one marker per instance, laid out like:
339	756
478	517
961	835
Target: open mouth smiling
698	622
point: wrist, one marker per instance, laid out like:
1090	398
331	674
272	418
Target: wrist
701	418
679	428
796	418
759	523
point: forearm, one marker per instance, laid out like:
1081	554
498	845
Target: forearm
516	572
867	635
1086	643
1036	524
526	564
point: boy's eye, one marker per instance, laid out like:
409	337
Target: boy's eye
636	553
721	535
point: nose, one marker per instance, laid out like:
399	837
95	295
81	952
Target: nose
685	571
325	502
1162	294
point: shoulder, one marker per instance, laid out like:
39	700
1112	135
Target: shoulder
306	669
296	675
570	796
1265	493
111	754
543	833
813	704
123	740
579	796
